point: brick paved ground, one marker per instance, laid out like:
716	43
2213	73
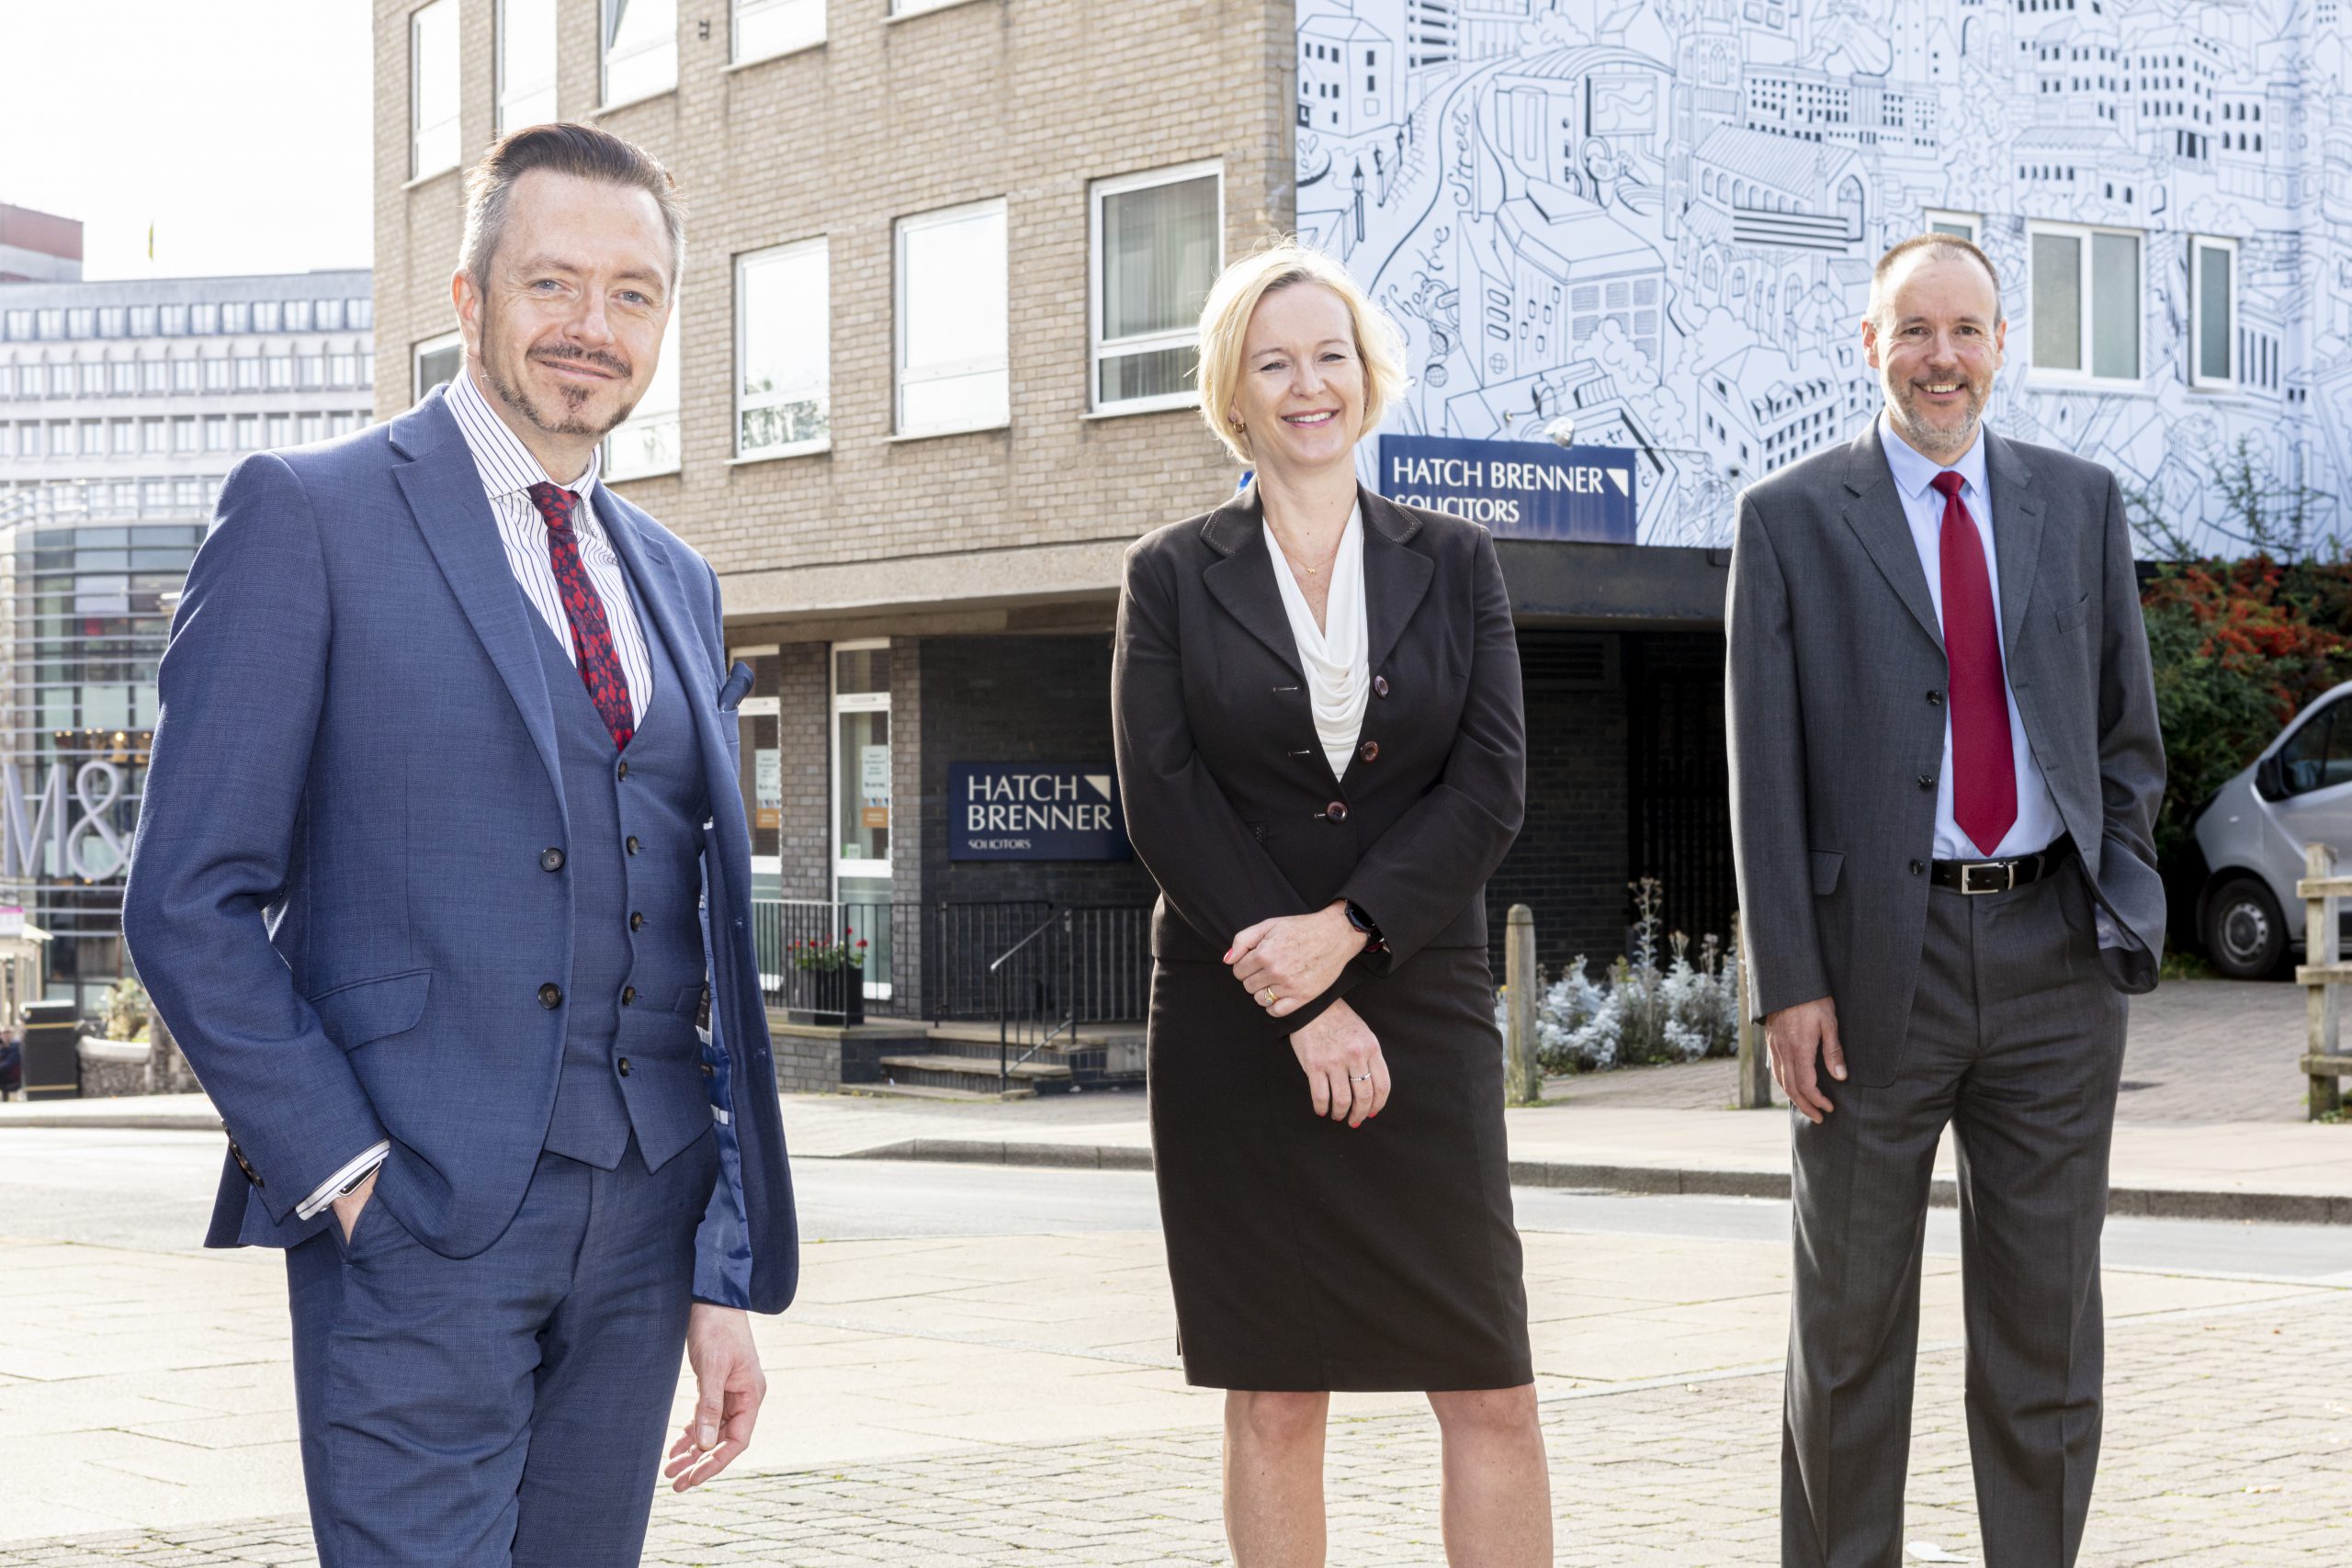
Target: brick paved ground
2224	1450
2198	1052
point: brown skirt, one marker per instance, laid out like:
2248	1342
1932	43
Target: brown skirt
1309	1256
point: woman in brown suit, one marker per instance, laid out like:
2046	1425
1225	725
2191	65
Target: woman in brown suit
1316	704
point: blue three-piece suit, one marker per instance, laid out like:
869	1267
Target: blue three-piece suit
395	884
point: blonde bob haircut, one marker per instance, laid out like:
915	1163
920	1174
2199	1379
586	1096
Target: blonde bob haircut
1224	329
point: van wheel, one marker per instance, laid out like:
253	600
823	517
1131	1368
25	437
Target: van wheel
2245	934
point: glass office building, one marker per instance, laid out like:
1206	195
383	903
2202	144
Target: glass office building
123	406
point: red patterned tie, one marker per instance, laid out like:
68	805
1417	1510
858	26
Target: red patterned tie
1983	767
592	639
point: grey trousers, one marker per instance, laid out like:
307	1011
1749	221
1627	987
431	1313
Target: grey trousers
2016	1039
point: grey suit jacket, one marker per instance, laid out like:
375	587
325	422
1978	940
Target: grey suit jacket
1836	685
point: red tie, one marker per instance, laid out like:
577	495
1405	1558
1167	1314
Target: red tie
1983	767
592	639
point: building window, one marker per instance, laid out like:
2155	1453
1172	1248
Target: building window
21	325
311	372
2212	310
173	320
154	437
184	375
862	771
768	27
249	433
281	430
236	316
125	439
94	379
647	442
278	372
216	375
328	314
313	428
952	321
343	370
525	63
110	319
640	48
142	320
297	315
216	434
204	320
248	373
1159	243
154	376
783	350
437	360
52	324
1968	226
184	436
60	439
81	321
433	72
2086	294
266	316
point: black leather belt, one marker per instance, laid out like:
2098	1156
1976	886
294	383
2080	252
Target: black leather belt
2000	875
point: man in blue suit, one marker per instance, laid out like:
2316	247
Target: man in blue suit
442	882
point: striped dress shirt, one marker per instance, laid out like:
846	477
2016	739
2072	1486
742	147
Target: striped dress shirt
508	471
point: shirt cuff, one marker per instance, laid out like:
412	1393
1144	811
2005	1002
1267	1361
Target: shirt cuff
332	1187
2109	933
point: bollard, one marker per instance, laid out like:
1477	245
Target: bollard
2325	1061
1523	1073
1755	1064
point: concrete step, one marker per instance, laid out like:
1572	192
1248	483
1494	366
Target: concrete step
988	1096
973	1073
1090	1036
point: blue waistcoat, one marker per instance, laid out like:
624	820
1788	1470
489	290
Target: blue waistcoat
632	1060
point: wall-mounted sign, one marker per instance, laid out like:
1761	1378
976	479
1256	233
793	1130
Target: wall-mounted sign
37	842
1519	490
767	786
1034	811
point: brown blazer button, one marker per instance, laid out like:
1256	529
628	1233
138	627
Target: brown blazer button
622	1065
550	860
551	996
1380	685
1369	752
1336	812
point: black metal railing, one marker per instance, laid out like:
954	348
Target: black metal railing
1088	964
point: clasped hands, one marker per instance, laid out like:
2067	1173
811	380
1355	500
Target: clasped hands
1287	962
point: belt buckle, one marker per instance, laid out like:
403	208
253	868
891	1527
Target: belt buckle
2006	870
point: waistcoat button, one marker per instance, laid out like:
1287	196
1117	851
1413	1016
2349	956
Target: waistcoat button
636	921
550	860
622	1065
551	995
628	995
632	843
624	768
1336	812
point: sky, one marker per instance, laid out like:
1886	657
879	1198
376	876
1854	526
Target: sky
240	129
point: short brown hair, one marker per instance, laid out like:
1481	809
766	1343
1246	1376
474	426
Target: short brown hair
1941	247
567	148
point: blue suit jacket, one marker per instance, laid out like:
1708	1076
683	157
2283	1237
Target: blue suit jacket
335	898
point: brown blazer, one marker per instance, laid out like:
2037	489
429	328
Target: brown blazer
1229	799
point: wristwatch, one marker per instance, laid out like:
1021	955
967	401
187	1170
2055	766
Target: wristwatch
1366	924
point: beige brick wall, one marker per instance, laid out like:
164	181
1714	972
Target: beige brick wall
1025	99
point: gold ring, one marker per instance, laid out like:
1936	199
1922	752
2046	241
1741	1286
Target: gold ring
1266	998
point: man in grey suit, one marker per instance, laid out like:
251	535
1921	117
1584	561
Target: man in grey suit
1945	769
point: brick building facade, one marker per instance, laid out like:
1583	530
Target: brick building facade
982	564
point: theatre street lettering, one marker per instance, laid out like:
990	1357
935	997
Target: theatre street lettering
1033	811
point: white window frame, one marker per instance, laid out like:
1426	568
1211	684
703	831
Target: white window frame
1143	342
416	130
604	62
2197	245
822	245
903	9
508	93
735	54
838	703
1973	222
431	345
2085	376
913	223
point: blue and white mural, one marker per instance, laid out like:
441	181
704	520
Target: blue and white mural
1657	218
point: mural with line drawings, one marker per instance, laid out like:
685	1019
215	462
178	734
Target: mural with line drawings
1656	218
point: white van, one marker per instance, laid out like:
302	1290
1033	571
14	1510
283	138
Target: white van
2253	832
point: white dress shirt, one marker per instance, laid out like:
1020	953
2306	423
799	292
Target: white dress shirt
508	471
1336	656
2038	822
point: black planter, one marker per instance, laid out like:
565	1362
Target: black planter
836	998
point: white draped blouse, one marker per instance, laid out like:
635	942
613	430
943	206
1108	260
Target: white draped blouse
1337	655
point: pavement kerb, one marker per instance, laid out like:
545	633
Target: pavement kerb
2152	1203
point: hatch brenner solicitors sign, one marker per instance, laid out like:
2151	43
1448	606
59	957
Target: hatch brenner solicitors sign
40	844
1519	490
1034	811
